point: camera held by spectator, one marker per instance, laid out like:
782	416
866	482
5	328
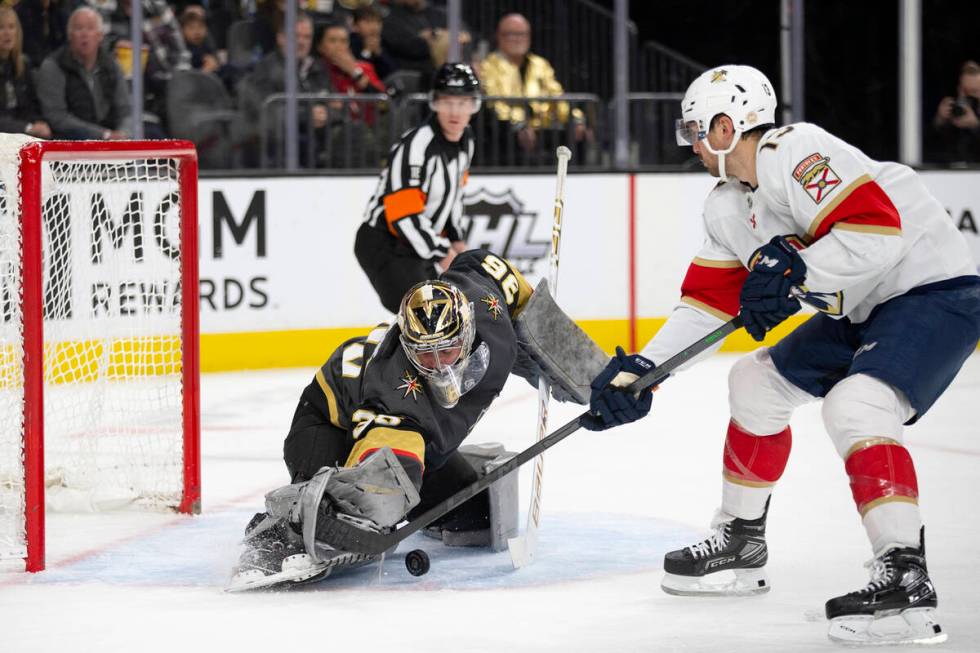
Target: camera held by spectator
957	120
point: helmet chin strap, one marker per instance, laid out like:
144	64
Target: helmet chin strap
721	153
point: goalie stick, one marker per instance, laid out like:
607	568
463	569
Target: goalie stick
345	536
523	546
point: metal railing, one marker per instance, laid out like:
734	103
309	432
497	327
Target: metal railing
575	120
359	130
652	131
355	132
663	70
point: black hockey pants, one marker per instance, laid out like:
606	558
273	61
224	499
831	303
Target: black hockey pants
391	266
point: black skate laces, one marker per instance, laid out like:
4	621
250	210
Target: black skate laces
715	543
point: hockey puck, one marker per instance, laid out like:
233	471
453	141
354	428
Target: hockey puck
417	562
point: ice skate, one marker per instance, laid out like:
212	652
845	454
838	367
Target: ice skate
275	558
274	555
898	606
731	562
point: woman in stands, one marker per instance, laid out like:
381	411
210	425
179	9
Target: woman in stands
20	112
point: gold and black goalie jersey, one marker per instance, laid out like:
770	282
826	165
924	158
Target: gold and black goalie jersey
369	388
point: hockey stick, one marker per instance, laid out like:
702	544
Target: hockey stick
522	547
346	536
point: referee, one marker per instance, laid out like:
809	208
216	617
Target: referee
412	229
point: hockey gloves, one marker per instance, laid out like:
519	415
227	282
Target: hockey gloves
767	294
611	404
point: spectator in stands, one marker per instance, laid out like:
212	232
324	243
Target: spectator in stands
220	15
269	18
20	112
163	43
194	28
269	77
347	74
43	24
161	34
82	89
957	121
416	38
365	41
513	70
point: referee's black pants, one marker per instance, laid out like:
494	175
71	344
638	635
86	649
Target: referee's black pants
391	266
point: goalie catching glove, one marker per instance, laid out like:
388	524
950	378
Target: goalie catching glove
767	294
611	404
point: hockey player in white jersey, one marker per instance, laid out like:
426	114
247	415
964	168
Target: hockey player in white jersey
801	215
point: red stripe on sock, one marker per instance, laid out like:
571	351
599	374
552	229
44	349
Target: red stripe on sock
756	458
880	471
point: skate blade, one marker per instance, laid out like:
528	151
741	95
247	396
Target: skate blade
295	569
737	582
912	626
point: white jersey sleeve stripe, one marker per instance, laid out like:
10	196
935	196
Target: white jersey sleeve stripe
395	176
685	324
416	152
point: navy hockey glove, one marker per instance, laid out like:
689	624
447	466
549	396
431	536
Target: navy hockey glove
611	404
767	298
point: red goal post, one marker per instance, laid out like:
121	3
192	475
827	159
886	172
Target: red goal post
115	345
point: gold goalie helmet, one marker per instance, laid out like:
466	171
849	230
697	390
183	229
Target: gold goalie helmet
437	332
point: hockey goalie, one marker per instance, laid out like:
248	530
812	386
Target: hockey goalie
392	408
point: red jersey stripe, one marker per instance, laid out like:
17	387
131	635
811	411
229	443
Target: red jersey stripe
865	208
715	288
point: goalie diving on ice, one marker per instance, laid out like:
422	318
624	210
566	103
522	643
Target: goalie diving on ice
377	433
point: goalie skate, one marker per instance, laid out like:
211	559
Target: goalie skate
731	562
898	606
275	558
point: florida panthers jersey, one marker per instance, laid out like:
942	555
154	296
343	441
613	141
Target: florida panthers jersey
868	231
872	230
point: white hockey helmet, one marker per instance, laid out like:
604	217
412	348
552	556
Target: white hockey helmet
742	93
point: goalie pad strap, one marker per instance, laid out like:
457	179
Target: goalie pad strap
556	348
377	490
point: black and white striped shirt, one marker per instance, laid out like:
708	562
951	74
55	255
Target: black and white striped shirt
419	198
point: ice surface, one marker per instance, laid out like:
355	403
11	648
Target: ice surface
614	502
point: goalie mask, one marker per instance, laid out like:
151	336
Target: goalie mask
437	332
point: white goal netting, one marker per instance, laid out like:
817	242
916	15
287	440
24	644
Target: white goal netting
112	346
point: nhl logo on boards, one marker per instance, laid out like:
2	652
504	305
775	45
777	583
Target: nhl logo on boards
499	222
816	176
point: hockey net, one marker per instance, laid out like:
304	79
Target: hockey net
98	296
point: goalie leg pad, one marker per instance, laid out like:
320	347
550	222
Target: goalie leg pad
557	349
503	496
490	518
376	493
